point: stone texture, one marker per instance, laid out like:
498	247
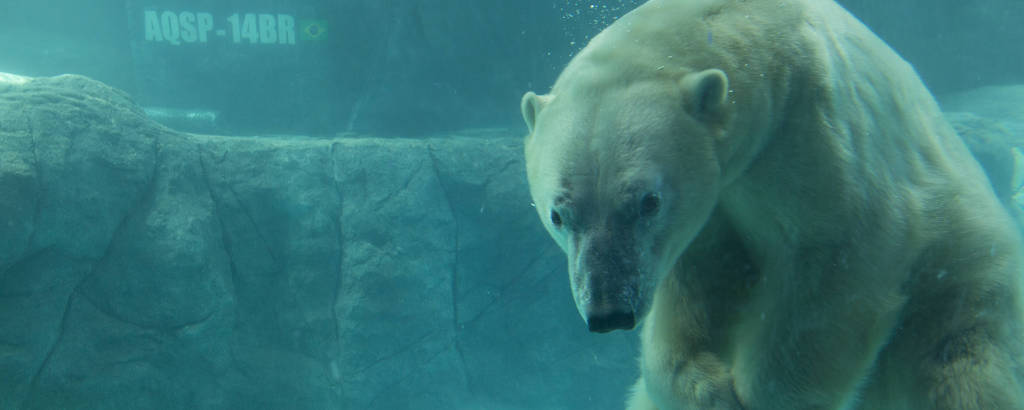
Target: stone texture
1002	106
991	121
145	268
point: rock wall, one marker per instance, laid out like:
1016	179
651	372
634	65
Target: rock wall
145	268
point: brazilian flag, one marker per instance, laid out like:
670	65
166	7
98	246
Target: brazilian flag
313	30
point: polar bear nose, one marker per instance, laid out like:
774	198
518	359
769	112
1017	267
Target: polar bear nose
604	320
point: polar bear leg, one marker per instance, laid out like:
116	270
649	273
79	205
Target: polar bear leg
973	372
639	400
703	382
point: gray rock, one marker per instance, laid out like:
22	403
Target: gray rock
1001	104
992	146
145	268
991	121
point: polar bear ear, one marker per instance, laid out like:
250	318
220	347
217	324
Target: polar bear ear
704	92
531	106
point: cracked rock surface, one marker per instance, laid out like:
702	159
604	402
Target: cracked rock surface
145	268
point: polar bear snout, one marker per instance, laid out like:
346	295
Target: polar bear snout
605	303
604	281
607	317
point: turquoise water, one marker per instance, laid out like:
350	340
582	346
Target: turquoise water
336	214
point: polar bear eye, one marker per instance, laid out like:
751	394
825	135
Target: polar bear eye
649	204
556	219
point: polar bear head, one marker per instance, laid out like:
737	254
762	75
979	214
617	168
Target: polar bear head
624	173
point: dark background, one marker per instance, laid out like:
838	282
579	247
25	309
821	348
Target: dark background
422	67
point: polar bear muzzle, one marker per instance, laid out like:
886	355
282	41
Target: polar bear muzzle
604	279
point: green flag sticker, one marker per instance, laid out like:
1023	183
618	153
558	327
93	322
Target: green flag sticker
313	30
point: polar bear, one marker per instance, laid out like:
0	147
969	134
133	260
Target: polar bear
774	194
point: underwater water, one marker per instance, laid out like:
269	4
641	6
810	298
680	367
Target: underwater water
287	204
